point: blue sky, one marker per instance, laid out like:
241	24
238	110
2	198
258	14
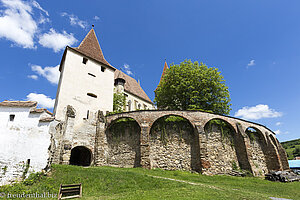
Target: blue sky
255	45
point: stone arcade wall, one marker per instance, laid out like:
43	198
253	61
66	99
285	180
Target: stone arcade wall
173	146
123	144
140	143
221	151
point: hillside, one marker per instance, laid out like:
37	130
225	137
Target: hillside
138	183
292	148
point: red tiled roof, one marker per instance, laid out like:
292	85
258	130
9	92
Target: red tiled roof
132	86
163	73
47	119
18	103
40	110
90	47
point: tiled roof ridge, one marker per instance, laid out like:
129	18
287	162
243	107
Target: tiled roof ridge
40	110
18	103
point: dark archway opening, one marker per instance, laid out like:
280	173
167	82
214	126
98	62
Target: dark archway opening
81	156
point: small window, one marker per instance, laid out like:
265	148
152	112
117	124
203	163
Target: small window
129	105
84	60
87	114
102	69
92	95
91	74
11	118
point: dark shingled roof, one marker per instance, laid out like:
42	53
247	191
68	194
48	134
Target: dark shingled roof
132	86
18	103
90	47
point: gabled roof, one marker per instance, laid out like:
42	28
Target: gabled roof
132	86
90	47
18	103
163	73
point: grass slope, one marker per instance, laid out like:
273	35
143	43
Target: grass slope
138	183
290	147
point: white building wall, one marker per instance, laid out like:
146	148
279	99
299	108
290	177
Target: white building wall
75	83
22	139
135	102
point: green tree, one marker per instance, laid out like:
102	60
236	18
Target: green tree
296	152
190	86
119	102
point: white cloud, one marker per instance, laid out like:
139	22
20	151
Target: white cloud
127	69
34	77
37	5
96	18
257	112
17	24
56	41
278	124
277	132
43	100
50	73
251	63
74	20
43	19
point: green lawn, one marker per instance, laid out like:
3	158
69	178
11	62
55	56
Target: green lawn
138	183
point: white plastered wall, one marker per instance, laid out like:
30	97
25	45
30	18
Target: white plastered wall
135	101
75	83
21	139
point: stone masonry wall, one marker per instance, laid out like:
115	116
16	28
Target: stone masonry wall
123	142
138	142
171	146
258	158
221	151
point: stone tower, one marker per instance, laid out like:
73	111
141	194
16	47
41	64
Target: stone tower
86	80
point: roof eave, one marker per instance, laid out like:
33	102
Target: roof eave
90	58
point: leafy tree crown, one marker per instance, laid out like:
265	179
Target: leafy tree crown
193	86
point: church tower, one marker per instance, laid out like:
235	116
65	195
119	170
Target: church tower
86	80
163	74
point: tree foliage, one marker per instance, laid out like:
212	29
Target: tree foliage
119	102
193	86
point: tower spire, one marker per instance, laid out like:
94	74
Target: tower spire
166	67
90	47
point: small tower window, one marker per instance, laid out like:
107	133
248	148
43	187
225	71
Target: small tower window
11	118
84	60
92	95
87	114
102	69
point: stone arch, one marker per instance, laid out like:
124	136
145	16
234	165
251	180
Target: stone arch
123	140
174	143
81	156
225	147
257	148
281	152
272	153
